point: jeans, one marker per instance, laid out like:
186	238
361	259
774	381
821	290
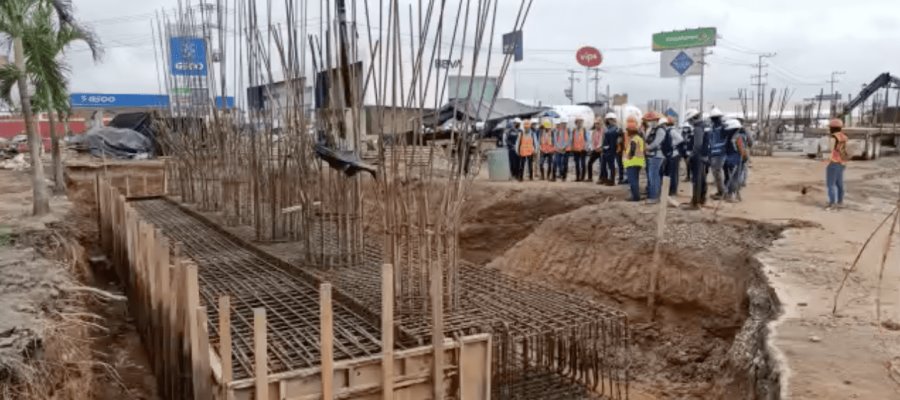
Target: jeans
654	179
513	162
672	170
621	167
562	165
717	164
608	170
698	176
745	172
834	183
687	169
733	171
595	156
579	165
548	159
525	165
634	177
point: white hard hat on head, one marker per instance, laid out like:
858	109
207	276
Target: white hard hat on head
610	116
563	120
691	113
534	120
716	112
686	125
517	121
732	124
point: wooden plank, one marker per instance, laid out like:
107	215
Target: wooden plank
387	331
326	341
144	191
202	373
225	341
127	186
260	347
193	301
437	330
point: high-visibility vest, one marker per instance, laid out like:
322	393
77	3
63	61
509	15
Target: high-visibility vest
526	145
567	139
547	142
578	139
839	151
634	152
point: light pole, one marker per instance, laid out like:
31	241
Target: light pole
832	81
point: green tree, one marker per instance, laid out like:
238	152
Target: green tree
40	30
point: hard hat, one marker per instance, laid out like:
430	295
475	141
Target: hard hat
652	116
835	123
517	121
562	121
631	123
534	121
732	124
579	118
686	125
547	124
611	116
691	114
716	113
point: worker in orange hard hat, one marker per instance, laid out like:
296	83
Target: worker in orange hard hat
834	173
633	156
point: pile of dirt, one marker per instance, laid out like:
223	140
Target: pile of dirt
708	340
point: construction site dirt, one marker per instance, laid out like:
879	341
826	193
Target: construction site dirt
707	342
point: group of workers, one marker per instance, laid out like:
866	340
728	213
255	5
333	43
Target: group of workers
651	143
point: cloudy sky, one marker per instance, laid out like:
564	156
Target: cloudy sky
811	39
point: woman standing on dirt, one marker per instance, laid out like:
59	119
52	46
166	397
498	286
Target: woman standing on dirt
834	173
633	157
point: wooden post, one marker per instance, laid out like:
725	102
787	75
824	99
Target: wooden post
144	191
127	186
660	231
437	330
165	182
327	341
202	372
225	342
260	347
193	301
387	331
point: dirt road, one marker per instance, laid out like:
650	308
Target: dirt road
847	355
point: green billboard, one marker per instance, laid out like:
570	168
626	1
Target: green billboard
700	37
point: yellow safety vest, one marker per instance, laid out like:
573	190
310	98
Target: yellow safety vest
634	158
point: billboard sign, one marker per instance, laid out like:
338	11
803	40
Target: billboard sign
700	37
123	100
589	57
512	44
188	56
677	63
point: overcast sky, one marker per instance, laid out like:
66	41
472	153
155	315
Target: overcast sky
811	39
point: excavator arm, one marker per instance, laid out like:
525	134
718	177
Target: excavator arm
881	81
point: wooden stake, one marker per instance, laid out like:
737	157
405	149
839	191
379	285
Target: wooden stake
327	341
192	295
225	342
387	331
260	347
202	373
128	186
437	330
660	231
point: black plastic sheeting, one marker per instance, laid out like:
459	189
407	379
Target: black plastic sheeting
118	143
345	161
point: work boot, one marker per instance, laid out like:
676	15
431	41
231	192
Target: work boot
717	196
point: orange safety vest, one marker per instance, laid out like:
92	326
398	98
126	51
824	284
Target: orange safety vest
578	140
526	145
568	140
547	142
597	139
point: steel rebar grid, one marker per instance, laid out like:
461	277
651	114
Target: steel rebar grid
227	267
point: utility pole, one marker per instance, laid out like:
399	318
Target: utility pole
760	87
703	54
608	99
596	80
572	80
832	81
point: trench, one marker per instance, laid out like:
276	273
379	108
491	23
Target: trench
709	338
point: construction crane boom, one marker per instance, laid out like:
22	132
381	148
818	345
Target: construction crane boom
881	81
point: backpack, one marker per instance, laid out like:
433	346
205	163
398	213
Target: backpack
667	149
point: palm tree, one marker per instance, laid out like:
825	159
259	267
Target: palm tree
34	27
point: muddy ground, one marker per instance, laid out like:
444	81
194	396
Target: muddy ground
57	339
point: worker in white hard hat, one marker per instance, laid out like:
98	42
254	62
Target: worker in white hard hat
654	136
611	151
548	150
735	151
669	148
687	146
699	158
562	141
510	137
596	150
717	150
580	140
